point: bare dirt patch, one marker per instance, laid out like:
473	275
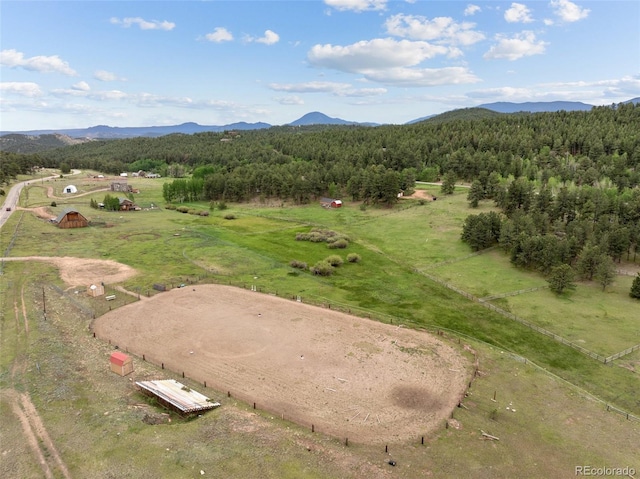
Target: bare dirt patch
41	212
347	376
84	271
421	194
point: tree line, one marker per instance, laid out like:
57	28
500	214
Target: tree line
577	232
599	148
566	183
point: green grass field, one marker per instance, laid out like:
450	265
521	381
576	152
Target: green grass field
62	367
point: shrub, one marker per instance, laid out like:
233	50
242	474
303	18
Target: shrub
229	216
192	212
493	415
302	237
635	287
322	268
203	213
337	237
334	260
339	244
298	264
353	258
170	207
222	205
54	204
182	209
317	237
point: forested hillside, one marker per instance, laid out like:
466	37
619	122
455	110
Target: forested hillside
597	148
567	183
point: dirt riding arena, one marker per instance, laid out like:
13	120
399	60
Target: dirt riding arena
348	377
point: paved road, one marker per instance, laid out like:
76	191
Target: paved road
11	201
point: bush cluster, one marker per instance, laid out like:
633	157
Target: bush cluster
322	268
298	264
317	235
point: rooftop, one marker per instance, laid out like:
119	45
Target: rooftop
178	395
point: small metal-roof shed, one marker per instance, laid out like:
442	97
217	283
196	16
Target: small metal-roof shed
121	363
177	396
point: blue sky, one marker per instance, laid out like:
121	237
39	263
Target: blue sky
75	64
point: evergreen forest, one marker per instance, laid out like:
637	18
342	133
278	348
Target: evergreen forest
565	185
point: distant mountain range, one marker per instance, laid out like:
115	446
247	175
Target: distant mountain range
9	140
536	107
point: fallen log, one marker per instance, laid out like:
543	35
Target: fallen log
489	436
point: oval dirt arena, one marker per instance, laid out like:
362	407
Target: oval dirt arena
349	377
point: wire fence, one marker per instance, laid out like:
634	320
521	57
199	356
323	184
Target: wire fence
268	405
484	302
14	235
462	258
512	293
289	415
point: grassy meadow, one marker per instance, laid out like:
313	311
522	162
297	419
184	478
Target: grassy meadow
556	399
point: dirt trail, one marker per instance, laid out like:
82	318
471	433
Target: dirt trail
75	195
36	435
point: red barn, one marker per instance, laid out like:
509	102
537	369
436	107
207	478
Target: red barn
330	203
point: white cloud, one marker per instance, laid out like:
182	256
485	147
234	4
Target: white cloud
569	11
310	87
389	61
626	87
502	94
28	89
363	92
376	54
106	76
144	24
219	35
518	13
289	100
270	37
81	86
441	29
521	45
357	5
104	95
423	77
471	10
334	88
52	64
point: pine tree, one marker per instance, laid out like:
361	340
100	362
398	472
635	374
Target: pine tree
476	193
561	278
449	183
605	272
635	287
